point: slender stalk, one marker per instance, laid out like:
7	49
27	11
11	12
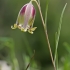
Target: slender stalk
39	2
30	61
46	34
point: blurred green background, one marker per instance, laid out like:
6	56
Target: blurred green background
21	45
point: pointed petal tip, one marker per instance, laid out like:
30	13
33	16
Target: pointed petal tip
14	27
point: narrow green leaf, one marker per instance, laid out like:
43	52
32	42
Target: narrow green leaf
46	12
57	38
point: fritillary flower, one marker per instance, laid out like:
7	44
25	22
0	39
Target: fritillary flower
26	18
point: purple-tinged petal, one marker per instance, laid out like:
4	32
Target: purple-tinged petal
27	14
28	10
33	12
22	11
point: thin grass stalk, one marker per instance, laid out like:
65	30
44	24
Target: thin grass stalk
57	37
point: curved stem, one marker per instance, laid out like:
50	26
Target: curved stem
40	12
45	33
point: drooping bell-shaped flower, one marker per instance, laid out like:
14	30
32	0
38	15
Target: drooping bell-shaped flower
26	18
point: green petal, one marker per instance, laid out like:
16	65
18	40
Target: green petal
31	21
31	30
14	27
20	19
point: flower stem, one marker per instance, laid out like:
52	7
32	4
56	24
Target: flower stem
45	33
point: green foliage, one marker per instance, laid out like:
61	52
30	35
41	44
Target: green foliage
57	38
8	42
66	58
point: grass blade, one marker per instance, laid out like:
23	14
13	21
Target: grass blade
57	38
46	13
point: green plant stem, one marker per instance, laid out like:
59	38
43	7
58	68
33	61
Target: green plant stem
58	35
30	61
45	33
39	2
